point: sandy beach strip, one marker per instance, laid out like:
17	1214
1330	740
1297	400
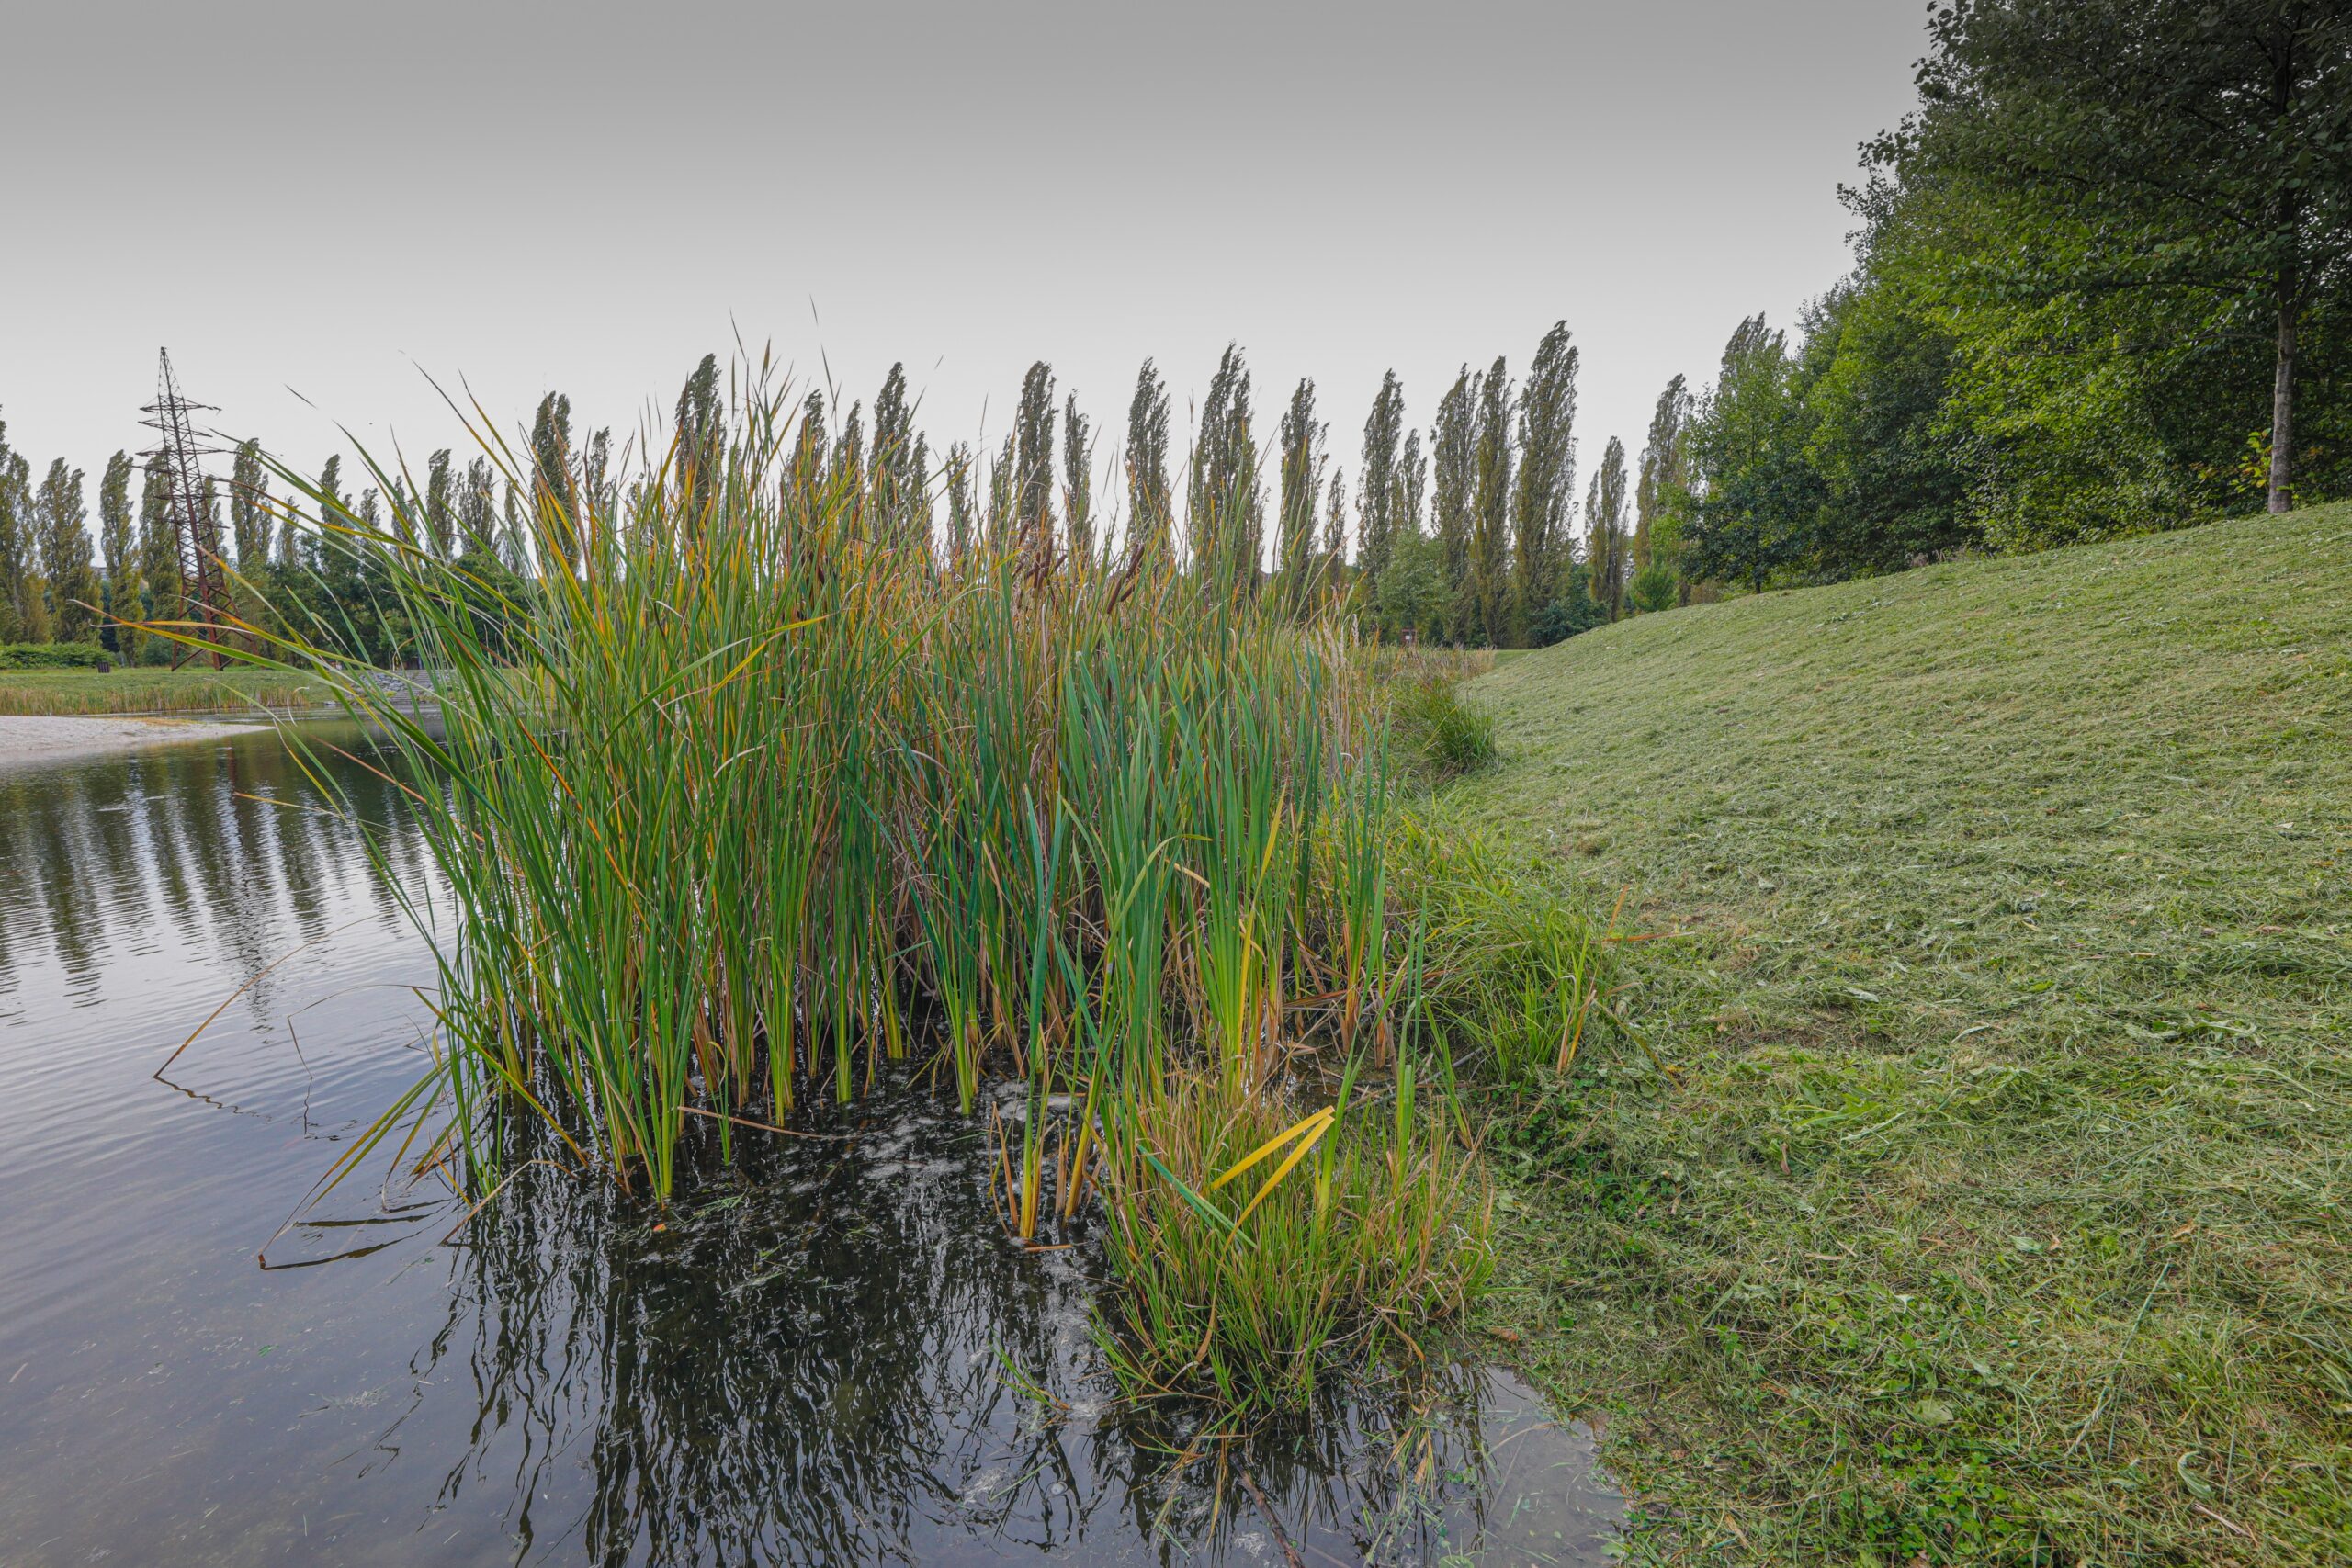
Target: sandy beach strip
29	739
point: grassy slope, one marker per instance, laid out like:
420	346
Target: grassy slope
152	690
1998	1198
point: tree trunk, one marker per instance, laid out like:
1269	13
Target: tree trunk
2282	403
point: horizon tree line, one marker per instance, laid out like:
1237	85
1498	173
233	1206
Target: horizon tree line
1470	537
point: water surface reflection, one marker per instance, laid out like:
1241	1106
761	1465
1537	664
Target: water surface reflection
828	1355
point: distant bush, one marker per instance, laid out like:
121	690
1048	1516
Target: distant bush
1438	733
1576	611
1652	589
54	656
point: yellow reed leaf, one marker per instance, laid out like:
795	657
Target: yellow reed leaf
1277	1142
1289	1162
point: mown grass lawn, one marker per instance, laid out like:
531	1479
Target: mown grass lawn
1987	1197
188	691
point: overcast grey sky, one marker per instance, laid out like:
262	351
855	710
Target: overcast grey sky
329	200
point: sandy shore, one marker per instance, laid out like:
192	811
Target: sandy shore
30	739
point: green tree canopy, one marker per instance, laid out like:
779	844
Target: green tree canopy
2202	145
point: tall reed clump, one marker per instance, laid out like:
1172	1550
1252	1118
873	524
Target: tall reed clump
750	793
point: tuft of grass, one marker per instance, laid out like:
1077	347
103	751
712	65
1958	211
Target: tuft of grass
1999	930
1249	1239
1439	733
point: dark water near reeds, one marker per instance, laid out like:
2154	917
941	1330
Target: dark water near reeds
828	1356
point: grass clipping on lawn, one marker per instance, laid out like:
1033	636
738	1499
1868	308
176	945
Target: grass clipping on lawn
2000	920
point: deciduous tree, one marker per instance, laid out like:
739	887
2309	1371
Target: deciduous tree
159	554
477	510
65	553
1376	481
1301	488
901	502
16	587
695	461
962	514
1033	428
2183	144
116	549
249	517
440	505
1225	501
1150	512
1453	480
1759	496
1077	479
1489	576
1608	553
1545	490
1665	472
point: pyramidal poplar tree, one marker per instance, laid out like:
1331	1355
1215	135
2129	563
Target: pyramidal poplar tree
477	512
599	487
1033	430
1546	484
1077	479
249	516
1607	552
894	468
1490	509
810	444
115	550
696	457
65	554
1454	469
1376	486
963	514
1302	486
1333	562
1149	512
159	550
845	473
1004	494
1225	503
16	542
440	505
1666	469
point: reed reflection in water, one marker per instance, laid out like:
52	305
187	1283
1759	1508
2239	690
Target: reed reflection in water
830	1354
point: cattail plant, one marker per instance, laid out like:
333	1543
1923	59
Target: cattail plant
749	793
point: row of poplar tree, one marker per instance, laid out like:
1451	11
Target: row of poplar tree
56	588
1470	536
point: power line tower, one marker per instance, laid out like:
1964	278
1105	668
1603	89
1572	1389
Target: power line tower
179	457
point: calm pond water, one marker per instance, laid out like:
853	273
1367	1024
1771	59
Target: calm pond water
830	1354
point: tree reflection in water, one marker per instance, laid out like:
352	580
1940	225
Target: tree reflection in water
831	1354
